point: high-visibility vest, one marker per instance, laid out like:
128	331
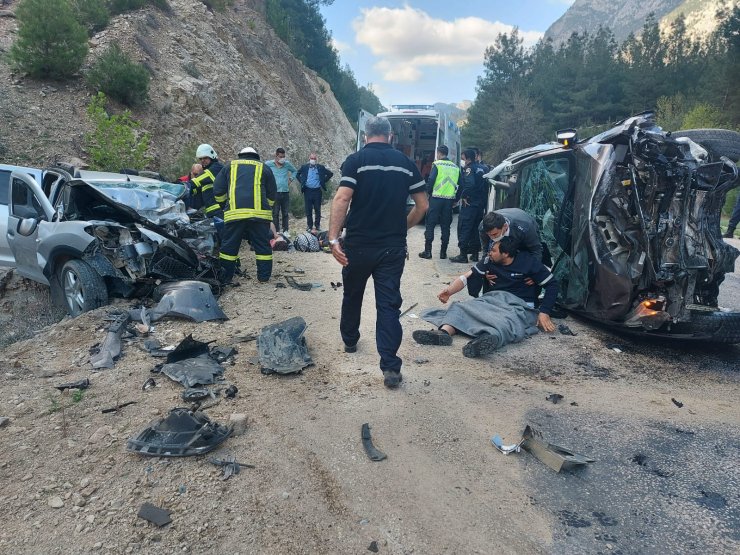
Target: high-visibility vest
448	174
248	200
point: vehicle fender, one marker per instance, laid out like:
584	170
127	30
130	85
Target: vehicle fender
59	242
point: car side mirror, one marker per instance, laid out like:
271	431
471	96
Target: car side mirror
27	226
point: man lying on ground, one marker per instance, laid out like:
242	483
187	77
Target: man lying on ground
502	315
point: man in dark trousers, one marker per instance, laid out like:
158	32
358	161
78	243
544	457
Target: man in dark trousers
471	196
246	189
734	220
313	178
376	180
442	185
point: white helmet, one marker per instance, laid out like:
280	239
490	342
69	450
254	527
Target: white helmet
206	151
247	150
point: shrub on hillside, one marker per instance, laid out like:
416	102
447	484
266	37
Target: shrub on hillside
116	141
93	14
51	43
122	6
119	77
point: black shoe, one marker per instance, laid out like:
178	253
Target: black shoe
482	345
391	379
461	258
728	235
474	257
425	254
442	254
432	337
350	348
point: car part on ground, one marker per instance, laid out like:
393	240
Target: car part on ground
110	349
191	300
230	466
181	434
631	218
118	407
187	348
194	394
155	515
554	456
80	384
367	442
191	372
282	347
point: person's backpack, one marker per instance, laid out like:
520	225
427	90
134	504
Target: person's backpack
306	242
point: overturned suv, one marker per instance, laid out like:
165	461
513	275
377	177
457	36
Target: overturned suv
91	235
631	219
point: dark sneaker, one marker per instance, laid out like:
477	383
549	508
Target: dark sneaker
350	348
443	254
474	257
391	379
729	234
425	254
432	337
461	258
482	345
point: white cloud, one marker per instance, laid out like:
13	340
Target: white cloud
408	40
342	47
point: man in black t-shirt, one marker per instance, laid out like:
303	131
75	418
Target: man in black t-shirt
371	203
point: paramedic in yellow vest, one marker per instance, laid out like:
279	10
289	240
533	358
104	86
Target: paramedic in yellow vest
201	186
442	184
246	190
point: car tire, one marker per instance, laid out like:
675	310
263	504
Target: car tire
716	327
718	142
82	287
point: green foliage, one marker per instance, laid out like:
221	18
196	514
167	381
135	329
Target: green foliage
121	6
119	77
218	5
301	26
297	204
116	142
670	112
730	202
77	395
703	115
93	14
182	163
51	43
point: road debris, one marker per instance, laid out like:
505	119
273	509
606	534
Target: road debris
149	384
298	285
554	456
679	404
105	355
230	465
565	330
282	347
80	384
367	443
189	299
155	515
118	407
409	309
554	398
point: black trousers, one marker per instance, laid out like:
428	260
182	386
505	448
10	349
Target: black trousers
257	233
735	218
440	212
467	229
281	206
385	265
312	199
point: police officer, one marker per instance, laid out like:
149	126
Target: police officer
514	223
246	189
201	187
471	196
442	184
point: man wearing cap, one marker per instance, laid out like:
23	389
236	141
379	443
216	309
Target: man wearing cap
283	172
375	184
201	186
313	177
246	189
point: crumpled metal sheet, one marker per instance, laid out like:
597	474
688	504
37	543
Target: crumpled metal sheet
554	456
191	372
190	299
282	347
110	349
181	434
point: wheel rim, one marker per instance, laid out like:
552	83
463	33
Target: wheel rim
73	292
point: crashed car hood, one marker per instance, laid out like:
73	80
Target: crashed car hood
83	201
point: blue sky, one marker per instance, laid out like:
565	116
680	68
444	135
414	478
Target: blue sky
416	51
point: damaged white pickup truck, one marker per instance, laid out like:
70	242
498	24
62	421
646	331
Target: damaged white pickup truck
91	235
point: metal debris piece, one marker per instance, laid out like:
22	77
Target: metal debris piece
150	383
554	456
679	404
110	349
367	443
408	310
192	300
118	407
616	347
296	285
565	330
193	394
230	466
222	354
554	398
498	443
282	347
181	434
80	384
155	515
191	372
231	391
188	348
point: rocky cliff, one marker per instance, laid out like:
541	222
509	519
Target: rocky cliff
223	78
628	16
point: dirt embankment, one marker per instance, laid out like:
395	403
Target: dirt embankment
665	478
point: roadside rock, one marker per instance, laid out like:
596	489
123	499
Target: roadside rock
55	502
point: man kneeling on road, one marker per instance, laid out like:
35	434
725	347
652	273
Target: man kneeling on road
504	314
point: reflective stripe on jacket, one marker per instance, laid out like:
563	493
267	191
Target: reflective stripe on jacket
246	190
203	185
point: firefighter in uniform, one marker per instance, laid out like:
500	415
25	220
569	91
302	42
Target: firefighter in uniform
201	188
471	196
246	189
442	185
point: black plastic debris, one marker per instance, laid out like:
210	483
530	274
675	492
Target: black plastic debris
373	547
231	391
81	384
150	383
230	466
565	330
181	434
106	354
155	515
554	398
336	285
679	404
367	442
118	407
192	372
297	285
280	285
222	354
191	300
188	348
282	347
194	394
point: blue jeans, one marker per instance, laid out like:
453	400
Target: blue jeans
385	265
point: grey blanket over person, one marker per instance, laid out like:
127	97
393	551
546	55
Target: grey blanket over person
504	315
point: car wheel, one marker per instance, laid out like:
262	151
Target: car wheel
83	288
718	142
716	327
